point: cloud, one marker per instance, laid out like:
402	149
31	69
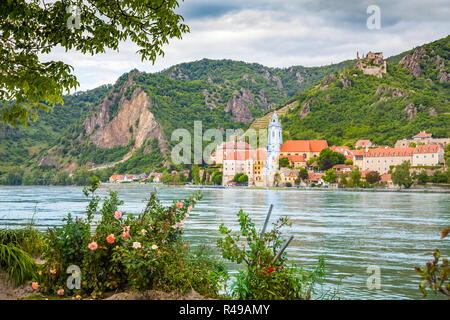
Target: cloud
277	34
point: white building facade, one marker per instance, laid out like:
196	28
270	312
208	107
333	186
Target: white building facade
274	142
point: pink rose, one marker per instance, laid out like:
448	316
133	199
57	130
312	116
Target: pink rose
35	285
60	292
190	208
181	223
194	199
111	238
179	205
117	214
93	245
126	235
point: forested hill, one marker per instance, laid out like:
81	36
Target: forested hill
412	96
220	93
132	120
23	146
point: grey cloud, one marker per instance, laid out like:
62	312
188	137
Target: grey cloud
277	34
191	10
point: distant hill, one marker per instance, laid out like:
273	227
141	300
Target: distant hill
102	126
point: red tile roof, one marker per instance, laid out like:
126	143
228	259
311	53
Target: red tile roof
340	149
258	154
423	134
359	152
304	146
235	145
363	143
428	149
294	158
314	176
390	152
236	155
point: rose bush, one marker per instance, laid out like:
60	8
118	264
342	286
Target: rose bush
263	278
144	251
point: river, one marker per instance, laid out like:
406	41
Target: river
392	231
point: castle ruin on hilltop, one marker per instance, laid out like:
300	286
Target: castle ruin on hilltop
373	63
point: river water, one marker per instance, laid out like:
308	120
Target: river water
392	231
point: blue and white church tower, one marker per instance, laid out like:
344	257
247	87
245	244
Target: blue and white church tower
274	142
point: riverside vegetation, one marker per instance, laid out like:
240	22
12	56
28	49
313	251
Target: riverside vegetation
147	252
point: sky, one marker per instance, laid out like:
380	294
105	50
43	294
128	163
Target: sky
275	33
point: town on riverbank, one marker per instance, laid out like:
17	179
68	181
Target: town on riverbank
420	162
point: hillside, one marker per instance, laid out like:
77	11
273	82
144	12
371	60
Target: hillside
263	122
412	96
139	112
22	146
126	127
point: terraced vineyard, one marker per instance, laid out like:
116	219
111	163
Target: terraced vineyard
263	122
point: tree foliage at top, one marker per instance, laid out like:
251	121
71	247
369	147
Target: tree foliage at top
29	29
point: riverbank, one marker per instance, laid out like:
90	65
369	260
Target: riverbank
196	187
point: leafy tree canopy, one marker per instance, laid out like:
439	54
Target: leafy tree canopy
283	162
373	177
29	29
401	175
328	158
243	179
330	176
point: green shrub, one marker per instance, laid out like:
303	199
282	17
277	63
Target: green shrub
17	264
28	239
264	277
145	251
435	276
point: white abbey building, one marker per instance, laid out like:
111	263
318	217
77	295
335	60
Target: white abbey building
260	165
274	142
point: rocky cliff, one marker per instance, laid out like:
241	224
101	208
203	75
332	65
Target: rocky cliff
429	61
239	105
133	121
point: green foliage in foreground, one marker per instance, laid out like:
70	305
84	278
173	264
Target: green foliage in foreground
17	246
435	274
145	251
31	29
17	264
28	239
263	277
401	175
